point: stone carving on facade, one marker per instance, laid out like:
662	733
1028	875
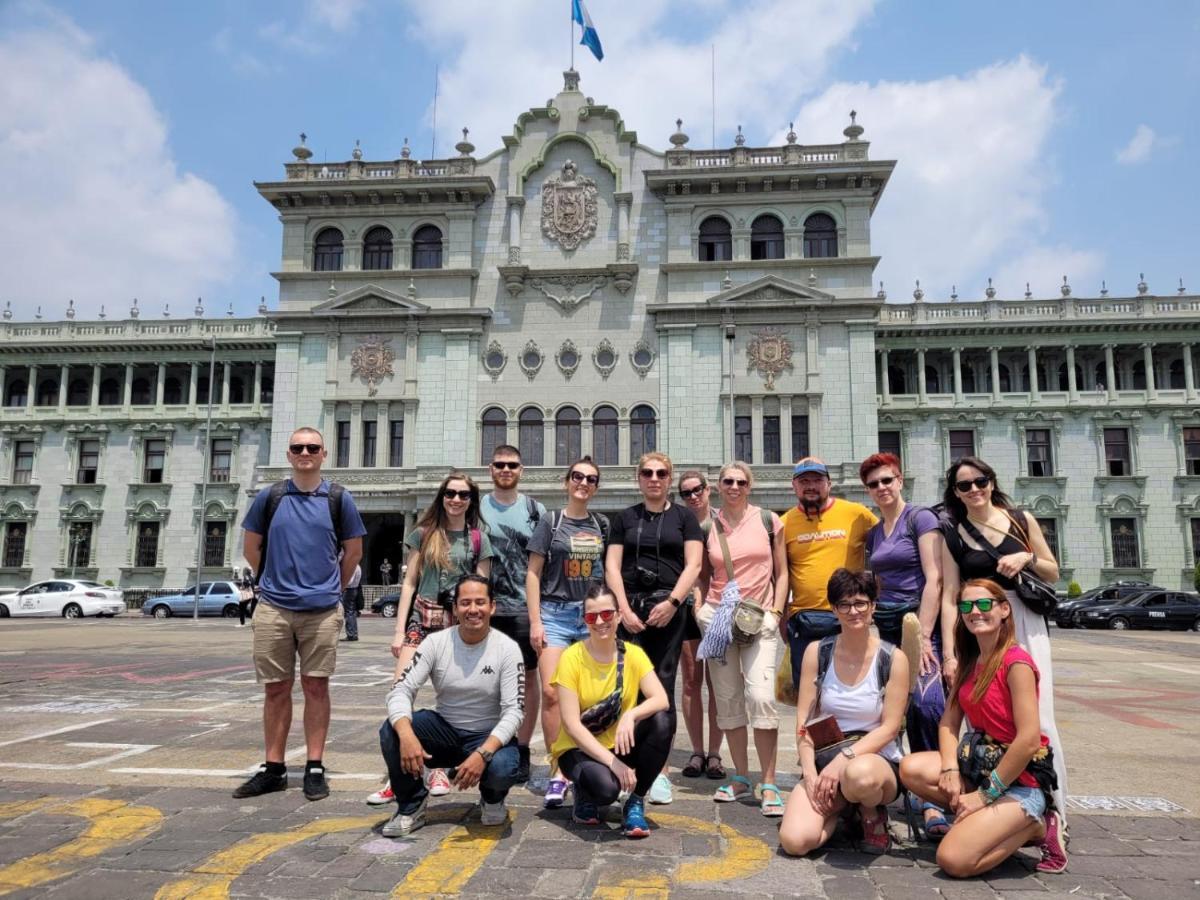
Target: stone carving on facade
604	358
531	359
569	208
642	357
494	359
372	361
770	352
568	291
567	358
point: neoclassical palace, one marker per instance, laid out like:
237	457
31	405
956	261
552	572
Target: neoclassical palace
577	291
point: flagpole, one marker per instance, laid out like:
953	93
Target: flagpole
571	17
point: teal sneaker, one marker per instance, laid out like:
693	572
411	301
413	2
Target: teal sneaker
633	818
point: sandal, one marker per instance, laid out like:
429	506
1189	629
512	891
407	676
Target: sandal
936	826
876	838
771	808
694	769
727	793
713	768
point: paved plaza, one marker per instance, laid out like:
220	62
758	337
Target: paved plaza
120	742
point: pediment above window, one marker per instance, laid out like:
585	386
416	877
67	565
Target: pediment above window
770	290
369	299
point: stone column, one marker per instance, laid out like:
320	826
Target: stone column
887	388
256	398
922	396
624	201
1110	372
97	372
1035	392
1148	362
355	460
756	430
383	434
128	385
63	377
160	384
994	364
1072	384
548	442
785	429
515	207
225	369
1189	376
958	391
31	394
194	385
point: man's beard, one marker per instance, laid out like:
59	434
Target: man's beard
811	507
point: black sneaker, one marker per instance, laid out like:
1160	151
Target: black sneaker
523	765
315	785
261	782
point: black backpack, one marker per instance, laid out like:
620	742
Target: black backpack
275	496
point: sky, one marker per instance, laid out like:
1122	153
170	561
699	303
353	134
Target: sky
1034	140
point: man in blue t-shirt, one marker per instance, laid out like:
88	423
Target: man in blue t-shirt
300	583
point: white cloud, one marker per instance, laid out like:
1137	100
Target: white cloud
100	212
340	15
1139	147
968	196
311	33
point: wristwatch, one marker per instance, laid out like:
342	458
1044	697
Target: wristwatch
486	754
674	602
848	752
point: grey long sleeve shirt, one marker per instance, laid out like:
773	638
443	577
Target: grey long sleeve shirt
480	687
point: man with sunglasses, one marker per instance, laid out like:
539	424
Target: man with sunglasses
301	582
821	535
511	517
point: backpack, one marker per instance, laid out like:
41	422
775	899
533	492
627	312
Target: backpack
275	496
535	515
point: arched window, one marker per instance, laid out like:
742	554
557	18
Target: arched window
140	395
427	247
377	249
173	392
568	436
268	389
606	439
47	393
933	381
18	393
1102	378
110	392
642	426
495	433
766	238
1175	377
327	251
716	240
820	236
968	379
531	437
896	380
79	392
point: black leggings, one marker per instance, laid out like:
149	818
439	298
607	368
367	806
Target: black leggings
663	645
594	781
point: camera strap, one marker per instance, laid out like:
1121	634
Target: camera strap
657	536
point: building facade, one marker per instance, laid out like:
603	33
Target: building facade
578	292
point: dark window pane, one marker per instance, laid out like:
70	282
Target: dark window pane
327	251
962	443
155	460
1124	543
495	433
799	436
47	393
1191	450
1037	446
369	431
23	462
605	436
716	240
568	437
743	441
933	381
766	238
641	432
110	392
18	394
343	445
396	450
214	543
14	544
1050	530
147	545
89	462
889	442
173	392
897	383
377	249
820	236
1195	541
427	248
79	545
79	393
221	461
531	438
1116	451
771	448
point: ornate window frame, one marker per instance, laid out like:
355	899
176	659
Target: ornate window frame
605	345
75	436
1124	506
231	431
961	421
145	511
531	346
11	435
151	431
1180	421
1052	422
214	511
1044	506
17	511
494	371
80	510
1185	512
643	369
568	346
1128	419
892	422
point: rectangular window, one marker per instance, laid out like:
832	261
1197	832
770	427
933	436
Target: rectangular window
214	543
146	555
962	443
368	443
889	442
606	441
1050	530
1124	543
89	462
79	548
221	461
799	436
1117	458
1191	451
771	450
343	445
396	449
743	439
1037	447
568	439
22	462
156	459
1195	540
14	543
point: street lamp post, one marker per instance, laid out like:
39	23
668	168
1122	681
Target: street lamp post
204	474
76	540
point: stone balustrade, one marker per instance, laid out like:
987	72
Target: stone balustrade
1147	306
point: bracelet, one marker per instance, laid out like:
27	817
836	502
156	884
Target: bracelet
944	771
996	782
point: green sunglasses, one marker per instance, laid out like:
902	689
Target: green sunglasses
985	604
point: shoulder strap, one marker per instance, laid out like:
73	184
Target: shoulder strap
706	527
336	493
601	523
984	543
883	664
555	521
1022	525
274	498
476	547
768	523
724	550
824	658
912	527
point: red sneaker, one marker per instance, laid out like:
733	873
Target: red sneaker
1054	854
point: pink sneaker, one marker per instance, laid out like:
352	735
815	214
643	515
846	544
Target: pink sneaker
439	784
382	797
1054	854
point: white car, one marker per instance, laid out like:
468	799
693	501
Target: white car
64	597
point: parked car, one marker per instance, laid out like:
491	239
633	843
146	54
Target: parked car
217	598
1064	615
1150	609
66	597
386	605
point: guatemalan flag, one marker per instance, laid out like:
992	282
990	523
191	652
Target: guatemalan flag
590	39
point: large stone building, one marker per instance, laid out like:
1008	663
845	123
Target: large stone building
577	291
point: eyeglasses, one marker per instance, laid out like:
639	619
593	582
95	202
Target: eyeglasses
604	615
858	606
981	482
985	604
692	492
506	465
878	481
298	449
456	495
580	478
730	482
656	473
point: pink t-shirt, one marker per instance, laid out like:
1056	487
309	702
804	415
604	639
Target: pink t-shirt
750	552
993	714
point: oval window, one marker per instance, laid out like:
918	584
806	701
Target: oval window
495	359
642	356
606	358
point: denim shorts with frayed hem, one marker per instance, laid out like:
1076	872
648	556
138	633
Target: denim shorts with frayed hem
563	621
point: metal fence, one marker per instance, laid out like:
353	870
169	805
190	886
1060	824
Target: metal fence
135	598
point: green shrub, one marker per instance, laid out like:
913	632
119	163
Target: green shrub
1073	590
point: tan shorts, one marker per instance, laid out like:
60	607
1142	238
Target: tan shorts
280	634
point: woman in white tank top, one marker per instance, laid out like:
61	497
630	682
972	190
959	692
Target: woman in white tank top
865	774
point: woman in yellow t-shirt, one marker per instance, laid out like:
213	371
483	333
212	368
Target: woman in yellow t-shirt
609	742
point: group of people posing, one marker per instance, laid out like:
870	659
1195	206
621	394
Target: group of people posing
895	625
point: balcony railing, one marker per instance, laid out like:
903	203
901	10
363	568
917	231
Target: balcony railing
1147	306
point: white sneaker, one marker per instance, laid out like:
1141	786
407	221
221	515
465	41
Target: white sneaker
493	813
439	784
402	824
661	792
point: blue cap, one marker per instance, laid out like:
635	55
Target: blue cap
804	468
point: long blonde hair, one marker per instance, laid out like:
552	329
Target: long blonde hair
966	647
435	540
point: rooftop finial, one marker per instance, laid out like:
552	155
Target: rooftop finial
262	305
791	135
103	314
301	152
412	289
954	292
678	139
1066	287
70	309
357	151
332	290
38	315
1028	292
465	147
918	294
405	152
8	310
1182	289
570	80
853	131
166	310
740	140
134	312
726	282
199	310
1142	287
812	277
1103	288
882	295
990	293
229	312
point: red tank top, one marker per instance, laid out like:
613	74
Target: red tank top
993	714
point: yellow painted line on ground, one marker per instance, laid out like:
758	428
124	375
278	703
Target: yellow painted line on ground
445	870
22	807
112	822
212	878
636	887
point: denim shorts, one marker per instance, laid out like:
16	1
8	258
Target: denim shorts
563	622
1032	800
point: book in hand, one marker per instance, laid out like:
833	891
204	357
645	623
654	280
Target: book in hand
824	731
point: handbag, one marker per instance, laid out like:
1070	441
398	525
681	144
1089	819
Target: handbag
748	615
979	754
1036	594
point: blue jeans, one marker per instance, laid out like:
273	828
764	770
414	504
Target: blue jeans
803	628
563	621
447	746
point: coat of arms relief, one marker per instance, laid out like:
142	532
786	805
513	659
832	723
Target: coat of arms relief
770	352
372	362
569	207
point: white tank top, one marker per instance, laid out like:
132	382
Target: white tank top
857	707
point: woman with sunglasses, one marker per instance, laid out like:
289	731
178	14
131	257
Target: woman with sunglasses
652	563
859	775
695	493
1007	802
746	542
566	560
904	550
975	503
609	742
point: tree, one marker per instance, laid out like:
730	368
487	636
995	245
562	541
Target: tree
1073	590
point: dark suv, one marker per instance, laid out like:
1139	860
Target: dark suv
1065	614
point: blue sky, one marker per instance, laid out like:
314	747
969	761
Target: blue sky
1033	139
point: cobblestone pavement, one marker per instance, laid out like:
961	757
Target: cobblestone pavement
120	742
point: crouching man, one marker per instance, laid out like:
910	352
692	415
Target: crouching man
479	681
